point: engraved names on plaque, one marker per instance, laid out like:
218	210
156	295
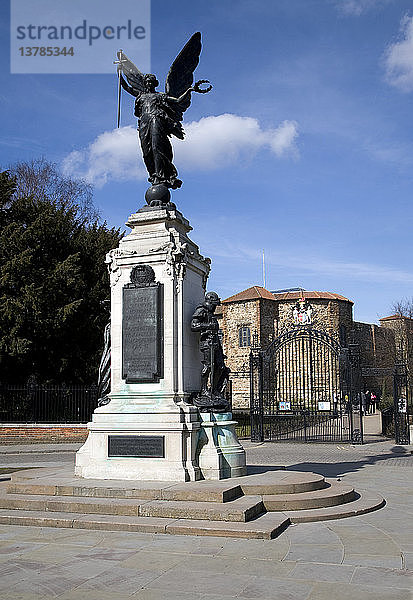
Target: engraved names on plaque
142	330
142	446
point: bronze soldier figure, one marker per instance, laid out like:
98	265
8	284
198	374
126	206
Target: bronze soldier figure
214	374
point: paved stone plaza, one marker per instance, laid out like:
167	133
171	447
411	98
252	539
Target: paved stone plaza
365	557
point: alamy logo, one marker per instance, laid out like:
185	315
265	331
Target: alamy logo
77	36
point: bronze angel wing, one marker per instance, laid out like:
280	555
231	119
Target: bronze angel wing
181	73
132	74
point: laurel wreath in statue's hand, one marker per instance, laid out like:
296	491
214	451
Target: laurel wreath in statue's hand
200	90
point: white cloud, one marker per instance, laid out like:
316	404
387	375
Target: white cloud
358	7
113	155
399	58
211	143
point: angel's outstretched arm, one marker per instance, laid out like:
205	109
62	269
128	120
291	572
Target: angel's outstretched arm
182	96
194	88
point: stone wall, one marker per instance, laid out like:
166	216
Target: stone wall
402	329
328	315
270	318
403	335
269	322
377	345
377	351
234	316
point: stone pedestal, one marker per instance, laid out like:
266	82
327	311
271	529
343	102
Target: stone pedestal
147	400
220	455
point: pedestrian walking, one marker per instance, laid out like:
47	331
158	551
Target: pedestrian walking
363	403
367	393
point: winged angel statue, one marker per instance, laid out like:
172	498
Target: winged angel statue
160	114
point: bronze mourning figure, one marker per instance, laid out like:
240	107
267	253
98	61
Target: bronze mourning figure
215	374
160	114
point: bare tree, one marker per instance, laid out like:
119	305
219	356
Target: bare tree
404	308
41	179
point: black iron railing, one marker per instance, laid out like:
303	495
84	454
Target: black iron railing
243	426
47	403
387	422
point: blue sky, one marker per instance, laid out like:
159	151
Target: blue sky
304	147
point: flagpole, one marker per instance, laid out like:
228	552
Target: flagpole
119	86
263	268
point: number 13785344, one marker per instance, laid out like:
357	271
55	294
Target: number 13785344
46	51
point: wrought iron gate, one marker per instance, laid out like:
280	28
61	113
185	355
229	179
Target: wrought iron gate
401	404
305	387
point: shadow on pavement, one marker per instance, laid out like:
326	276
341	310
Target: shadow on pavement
332	469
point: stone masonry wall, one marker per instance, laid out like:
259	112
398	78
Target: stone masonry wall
270	318
269	322
403	335
377	345
327	315
377	350
234	316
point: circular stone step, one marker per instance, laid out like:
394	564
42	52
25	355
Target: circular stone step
280	482
334	494
53	497
365	502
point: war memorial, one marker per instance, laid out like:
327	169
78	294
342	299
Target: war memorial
162	454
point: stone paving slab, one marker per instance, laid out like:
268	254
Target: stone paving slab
399	579
241	509
322	572
331	591
274	588
270	570
181	579
328	554
267	526
38	448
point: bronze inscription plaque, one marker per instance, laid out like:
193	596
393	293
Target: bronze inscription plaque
142	334
142	446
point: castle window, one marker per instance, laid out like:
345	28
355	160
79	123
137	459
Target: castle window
221	336
244	337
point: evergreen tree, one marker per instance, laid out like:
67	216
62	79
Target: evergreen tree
53	278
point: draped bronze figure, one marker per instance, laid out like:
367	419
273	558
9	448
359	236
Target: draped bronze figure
160	114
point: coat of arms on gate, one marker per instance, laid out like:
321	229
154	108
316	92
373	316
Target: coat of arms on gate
302	312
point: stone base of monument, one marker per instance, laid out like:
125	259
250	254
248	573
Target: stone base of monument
166	446
147	430
254	506
141	444
220	455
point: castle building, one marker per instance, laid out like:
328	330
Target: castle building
257	317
